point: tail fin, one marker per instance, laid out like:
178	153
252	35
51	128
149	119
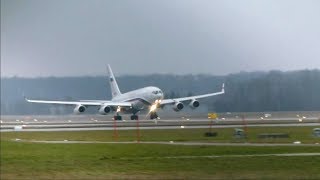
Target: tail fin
113	83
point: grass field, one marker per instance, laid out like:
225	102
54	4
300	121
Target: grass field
27	160
303	134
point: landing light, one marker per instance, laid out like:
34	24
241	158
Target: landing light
153	107
118	109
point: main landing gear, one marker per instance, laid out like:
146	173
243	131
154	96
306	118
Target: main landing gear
134	117
117	117
153	115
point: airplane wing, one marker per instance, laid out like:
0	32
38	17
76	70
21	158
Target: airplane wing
190	98
85	103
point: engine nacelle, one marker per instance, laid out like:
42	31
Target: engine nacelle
105	110
79	109
178	106
194	104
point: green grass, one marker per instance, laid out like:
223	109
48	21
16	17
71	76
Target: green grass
26	160
303	134
84	161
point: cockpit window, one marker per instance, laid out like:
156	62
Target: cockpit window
157	92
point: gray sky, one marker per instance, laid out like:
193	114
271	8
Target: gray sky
79	37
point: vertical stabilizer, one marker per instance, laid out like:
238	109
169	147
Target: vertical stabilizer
113	83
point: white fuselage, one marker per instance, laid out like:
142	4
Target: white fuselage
140	98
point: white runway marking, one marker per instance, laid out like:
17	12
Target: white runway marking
173	143
192	157
89	127
228	156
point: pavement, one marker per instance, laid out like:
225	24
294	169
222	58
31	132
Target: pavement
99	122
169	142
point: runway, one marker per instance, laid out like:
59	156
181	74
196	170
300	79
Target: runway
99	122
170	143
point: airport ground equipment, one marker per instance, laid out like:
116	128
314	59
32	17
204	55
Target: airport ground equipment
273	135
212	116
239	133
210	134
316	132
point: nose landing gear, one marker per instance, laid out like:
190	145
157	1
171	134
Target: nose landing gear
117	117
153	115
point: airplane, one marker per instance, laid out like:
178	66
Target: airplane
150	97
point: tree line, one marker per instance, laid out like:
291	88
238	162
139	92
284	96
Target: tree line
245	91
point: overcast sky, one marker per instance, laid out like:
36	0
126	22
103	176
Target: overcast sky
79	37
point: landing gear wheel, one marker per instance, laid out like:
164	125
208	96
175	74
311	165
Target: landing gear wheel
117	117
134	117
153	115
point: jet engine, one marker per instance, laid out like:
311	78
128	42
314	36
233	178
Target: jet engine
79	109
177	106
194	104
105	110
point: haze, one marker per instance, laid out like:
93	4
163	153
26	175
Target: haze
79	37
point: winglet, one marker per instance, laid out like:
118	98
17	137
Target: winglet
222	88
25	98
